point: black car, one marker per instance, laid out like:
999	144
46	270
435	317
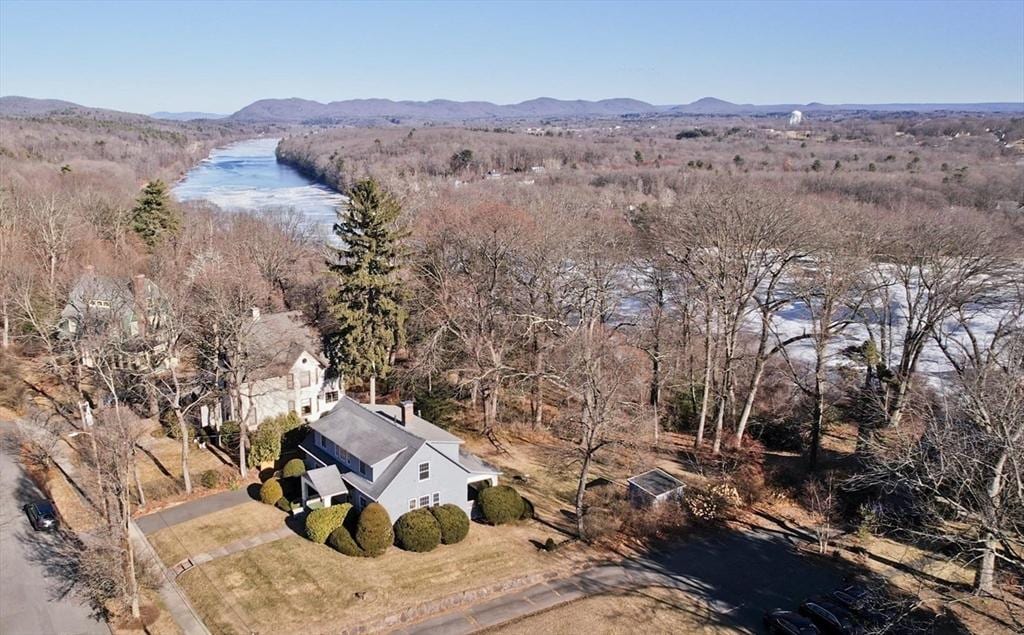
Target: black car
858	601
42	514
830	618
851	597
788	623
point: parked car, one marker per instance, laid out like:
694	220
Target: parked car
42	515
830	618
851	597
788	623
857	600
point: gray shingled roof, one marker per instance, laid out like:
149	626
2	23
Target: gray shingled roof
279	339
418	426
366	435
656	482
475	465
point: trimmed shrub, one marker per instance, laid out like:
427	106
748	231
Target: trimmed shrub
293	468
501	504
341	540
210	479
264	444
283	504
528	513
453	522
271	492
418	531
320	523
373	531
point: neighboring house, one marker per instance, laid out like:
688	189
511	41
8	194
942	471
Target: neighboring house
105	306
289	373
389	455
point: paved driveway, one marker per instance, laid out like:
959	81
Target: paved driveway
740	574
34	597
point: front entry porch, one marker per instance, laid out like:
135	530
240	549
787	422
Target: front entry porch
323	486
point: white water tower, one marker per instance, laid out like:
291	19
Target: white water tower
795	118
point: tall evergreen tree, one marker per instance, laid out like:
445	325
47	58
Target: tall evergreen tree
367	303
153	217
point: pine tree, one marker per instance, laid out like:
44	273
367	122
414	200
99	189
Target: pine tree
153	218
367	304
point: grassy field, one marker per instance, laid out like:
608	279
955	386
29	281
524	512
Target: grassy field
160	467
295	586
177	542
657	610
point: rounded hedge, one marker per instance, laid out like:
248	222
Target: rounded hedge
341	540
293	468
270	491
528	512
453	522
320	523
418	531
373	531
501	504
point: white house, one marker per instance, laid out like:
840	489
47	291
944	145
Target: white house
363	453
289	374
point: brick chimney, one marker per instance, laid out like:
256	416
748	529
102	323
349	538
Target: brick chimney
407	413
139	295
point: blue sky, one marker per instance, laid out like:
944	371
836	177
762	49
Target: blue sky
144	56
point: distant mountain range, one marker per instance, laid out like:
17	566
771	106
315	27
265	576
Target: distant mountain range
364	111
296	110
186	116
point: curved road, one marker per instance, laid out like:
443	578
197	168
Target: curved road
34	594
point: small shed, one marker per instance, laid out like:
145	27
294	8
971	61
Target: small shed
654	487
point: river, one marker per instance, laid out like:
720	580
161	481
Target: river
246	176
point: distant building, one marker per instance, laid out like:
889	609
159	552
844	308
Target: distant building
290	375
111	307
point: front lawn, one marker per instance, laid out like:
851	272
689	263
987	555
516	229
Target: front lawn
296	586
177	542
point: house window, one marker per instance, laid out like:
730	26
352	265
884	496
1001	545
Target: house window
291	406
424	471
307	407
436	499
412	503
364	469
306	378
291	381
331	396
424	501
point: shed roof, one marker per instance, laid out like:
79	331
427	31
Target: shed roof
656	482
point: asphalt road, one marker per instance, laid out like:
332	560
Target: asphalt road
739	574
34	594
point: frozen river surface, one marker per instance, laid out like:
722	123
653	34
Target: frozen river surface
246	176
